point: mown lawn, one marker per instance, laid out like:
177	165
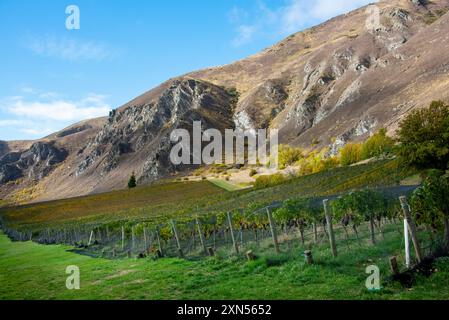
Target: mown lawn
31	271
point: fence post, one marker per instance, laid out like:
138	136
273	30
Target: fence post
200	232
412	228
394	266
145	238
175	231
308	256
123	238
159	242
330	228
133	239
231	229
315	233
273	231
90	238
407	245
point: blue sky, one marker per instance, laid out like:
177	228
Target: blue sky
52	77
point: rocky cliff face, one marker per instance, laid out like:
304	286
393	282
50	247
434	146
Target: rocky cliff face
34	163
142	133
3	148
341	81
330	84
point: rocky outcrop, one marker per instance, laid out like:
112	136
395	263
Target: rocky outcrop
4	149
143	132
73	130
35	163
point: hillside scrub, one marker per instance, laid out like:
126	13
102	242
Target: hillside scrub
377	145
430	204
350	154
267	181
288	155
424	137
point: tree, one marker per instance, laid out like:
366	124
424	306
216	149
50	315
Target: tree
377	145
424	137
430	203
132	183
350	154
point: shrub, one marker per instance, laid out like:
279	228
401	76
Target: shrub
424	137
288	155
430	203
253	172
269	181
376	146
350	154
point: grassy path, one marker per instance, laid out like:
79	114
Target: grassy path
32	271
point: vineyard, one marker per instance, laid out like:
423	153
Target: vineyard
176	199
227	223
294	225
322	219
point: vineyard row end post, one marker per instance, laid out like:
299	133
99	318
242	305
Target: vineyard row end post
330	228
123	238
231	229
175	231
412	228
200	232
273	231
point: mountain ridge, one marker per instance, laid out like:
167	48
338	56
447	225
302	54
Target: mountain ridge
327	85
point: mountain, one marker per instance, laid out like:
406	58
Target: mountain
328	85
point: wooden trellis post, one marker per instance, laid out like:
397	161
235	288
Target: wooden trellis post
412	228
159	242
178	243
273	231
123	238
145	237
330	228
90	238
231	229
133	238
200	232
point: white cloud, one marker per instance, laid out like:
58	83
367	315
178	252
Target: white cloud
91	106
69	49
11	123
39	113
292	16
245	34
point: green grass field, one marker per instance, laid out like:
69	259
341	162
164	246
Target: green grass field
32	271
